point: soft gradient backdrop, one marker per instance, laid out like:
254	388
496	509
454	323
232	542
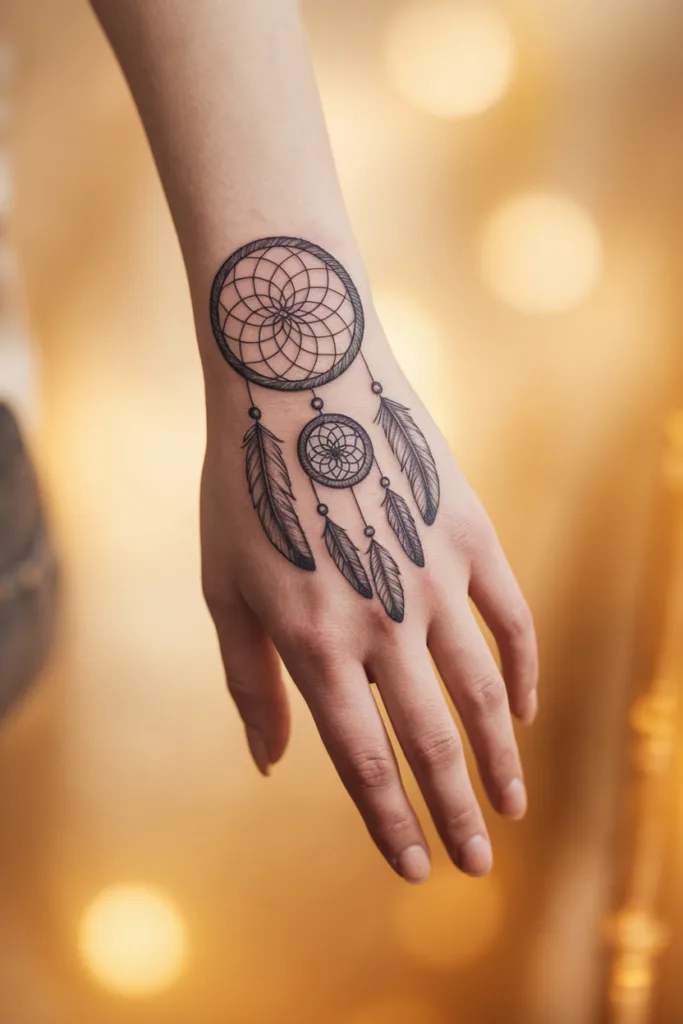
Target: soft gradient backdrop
513	172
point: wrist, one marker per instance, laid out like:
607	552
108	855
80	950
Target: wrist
261	345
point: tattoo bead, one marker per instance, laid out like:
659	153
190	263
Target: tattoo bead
322	509
317	403
255	413
377	387
385	481
369	531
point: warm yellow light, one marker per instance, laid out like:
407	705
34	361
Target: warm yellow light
452	921
132	940
674	428
421	349
452	60
541	253
413	333
397	1010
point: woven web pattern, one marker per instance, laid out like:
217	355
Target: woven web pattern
285	314
336	452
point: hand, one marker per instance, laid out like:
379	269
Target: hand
239	139
334	643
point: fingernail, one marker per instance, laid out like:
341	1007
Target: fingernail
531	708
514	800
259	751
476	856
413	865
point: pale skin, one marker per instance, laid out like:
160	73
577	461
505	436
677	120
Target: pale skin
229	103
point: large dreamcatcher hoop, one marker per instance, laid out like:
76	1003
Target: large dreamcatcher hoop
287	317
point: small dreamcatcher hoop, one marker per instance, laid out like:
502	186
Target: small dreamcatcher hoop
286	315
335	451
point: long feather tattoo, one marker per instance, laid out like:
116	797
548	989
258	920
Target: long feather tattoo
271	494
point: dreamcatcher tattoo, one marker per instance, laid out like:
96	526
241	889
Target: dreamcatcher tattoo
287	317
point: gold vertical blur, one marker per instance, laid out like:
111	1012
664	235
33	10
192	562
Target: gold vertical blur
520	213
640	931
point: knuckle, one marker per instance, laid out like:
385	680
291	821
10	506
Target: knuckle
519	622
397	830
487	694
246	699
474	535
311	643
381	627
504	765
240	689
437	750
473	530
465	535
372	770
463	820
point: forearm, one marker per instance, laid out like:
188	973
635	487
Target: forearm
228	99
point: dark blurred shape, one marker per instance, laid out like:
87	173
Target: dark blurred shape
28	577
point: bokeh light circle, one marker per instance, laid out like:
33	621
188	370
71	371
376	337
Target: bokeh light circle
451	922
450	60
132	940
541	253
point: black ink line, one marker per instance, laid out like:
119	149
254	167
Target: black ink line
379	468
353	492
370	373
319	403
315	491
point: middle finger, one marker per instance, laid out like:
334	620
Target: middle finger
430	740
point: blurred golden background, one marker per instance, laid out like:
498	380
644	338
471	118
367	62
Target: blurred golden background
513	172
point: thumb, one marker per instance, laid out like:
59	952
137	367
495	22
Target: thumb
254	677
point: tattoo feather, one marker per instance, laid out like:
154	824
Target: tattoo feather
271	493
387	579
403	525
344	554
410	447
